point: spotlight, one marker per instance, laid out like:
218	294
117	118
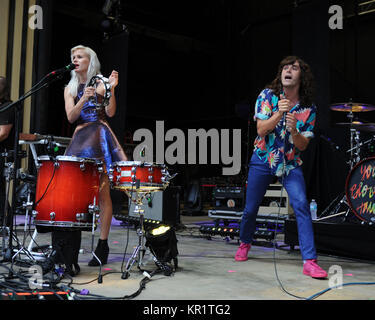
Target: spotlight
162	243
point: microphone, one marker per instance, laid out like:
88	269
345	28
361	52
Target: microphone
284	119
284	114
69	67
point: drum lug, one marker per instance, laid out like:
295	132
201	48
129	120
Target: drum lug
82	167
110	177
151	169
93	209
133	177
34	213
52	216
101	170
79	216
57	165
150	178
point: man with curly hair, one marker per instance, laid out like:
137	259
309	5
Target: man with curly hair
285	116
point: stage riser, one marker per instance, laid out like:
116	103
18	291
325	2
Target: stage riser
337	238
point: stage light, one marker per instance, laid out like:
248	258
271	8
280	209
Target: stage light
162	242
160	230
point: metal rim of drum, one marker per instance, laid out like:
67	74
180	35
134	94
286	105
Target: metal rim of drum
68	159
348	178
136	164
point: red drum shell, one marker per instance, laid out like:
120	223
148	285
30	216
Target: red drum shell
75	186
124	175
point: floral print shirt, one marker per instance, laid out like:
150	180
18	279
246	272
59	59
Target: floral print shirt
270	149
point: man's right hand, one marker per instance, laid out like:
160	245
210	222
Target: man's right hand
284	105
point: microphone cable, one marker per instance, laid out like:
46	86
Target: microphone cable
278	218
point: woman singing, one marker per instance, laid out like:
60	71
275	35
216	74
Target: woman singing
93	138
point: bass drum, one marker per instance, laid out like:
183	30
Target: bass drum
360	190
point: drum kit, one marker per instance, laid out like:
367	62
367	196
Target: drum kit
67	192
358	164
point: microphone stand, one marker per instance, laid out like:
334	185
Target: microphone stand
7	253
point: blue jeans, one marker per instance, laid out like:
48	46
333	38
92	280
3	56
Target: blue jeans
259	178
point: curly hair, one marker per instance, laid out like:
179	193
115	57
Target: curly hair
307	87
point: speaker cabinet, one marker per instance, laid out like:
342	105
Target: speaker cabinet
161	206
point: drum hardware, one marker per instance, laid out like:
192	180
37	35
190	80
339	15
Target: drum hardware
28	206
94	211
355	126
138	180
18	106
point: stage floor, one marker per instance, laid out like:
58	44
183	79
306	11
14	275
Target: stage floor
207	270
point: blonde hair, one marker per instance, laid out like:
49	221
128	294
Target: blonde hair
93	70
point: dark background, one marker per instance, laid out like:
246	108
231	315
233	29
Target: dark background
202	64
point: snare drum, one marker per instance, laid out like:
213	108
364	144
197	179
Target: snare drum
66	190
125	175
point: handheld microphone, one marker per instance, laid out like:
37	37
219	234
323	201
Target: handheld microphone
69	67
284	114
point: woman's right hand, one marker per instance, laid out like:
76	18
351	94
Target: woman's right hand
87	93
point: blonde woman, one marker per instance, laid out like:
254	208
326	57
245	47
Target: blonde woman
93	138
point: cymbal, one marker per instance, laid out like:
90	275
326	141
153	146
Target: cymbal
358	125
352	106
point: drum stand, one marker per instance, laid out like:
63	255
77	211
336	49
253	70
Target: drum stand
140	250
355	148
94	210
8	172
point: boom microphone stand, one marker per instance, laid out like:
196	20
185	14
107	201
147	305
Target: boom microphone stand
7	252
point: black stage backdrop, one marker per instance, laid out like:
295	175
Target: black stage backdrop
202	64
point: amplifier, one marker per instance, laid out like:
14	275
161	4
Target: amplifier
228	198
161	206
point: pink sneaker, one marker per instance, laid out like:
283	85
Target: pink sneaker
311	268
243	250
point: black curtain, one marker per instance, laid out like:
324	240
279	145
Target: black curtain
114	56
324	166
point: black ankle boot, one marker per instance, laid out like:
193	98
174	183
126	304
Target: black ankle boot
101	251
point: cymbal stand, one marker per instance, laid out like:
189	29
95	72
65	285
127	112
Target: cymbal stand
18	106
355	148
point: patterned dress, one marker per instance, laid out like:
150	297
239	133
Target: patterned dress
270	148
93	138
